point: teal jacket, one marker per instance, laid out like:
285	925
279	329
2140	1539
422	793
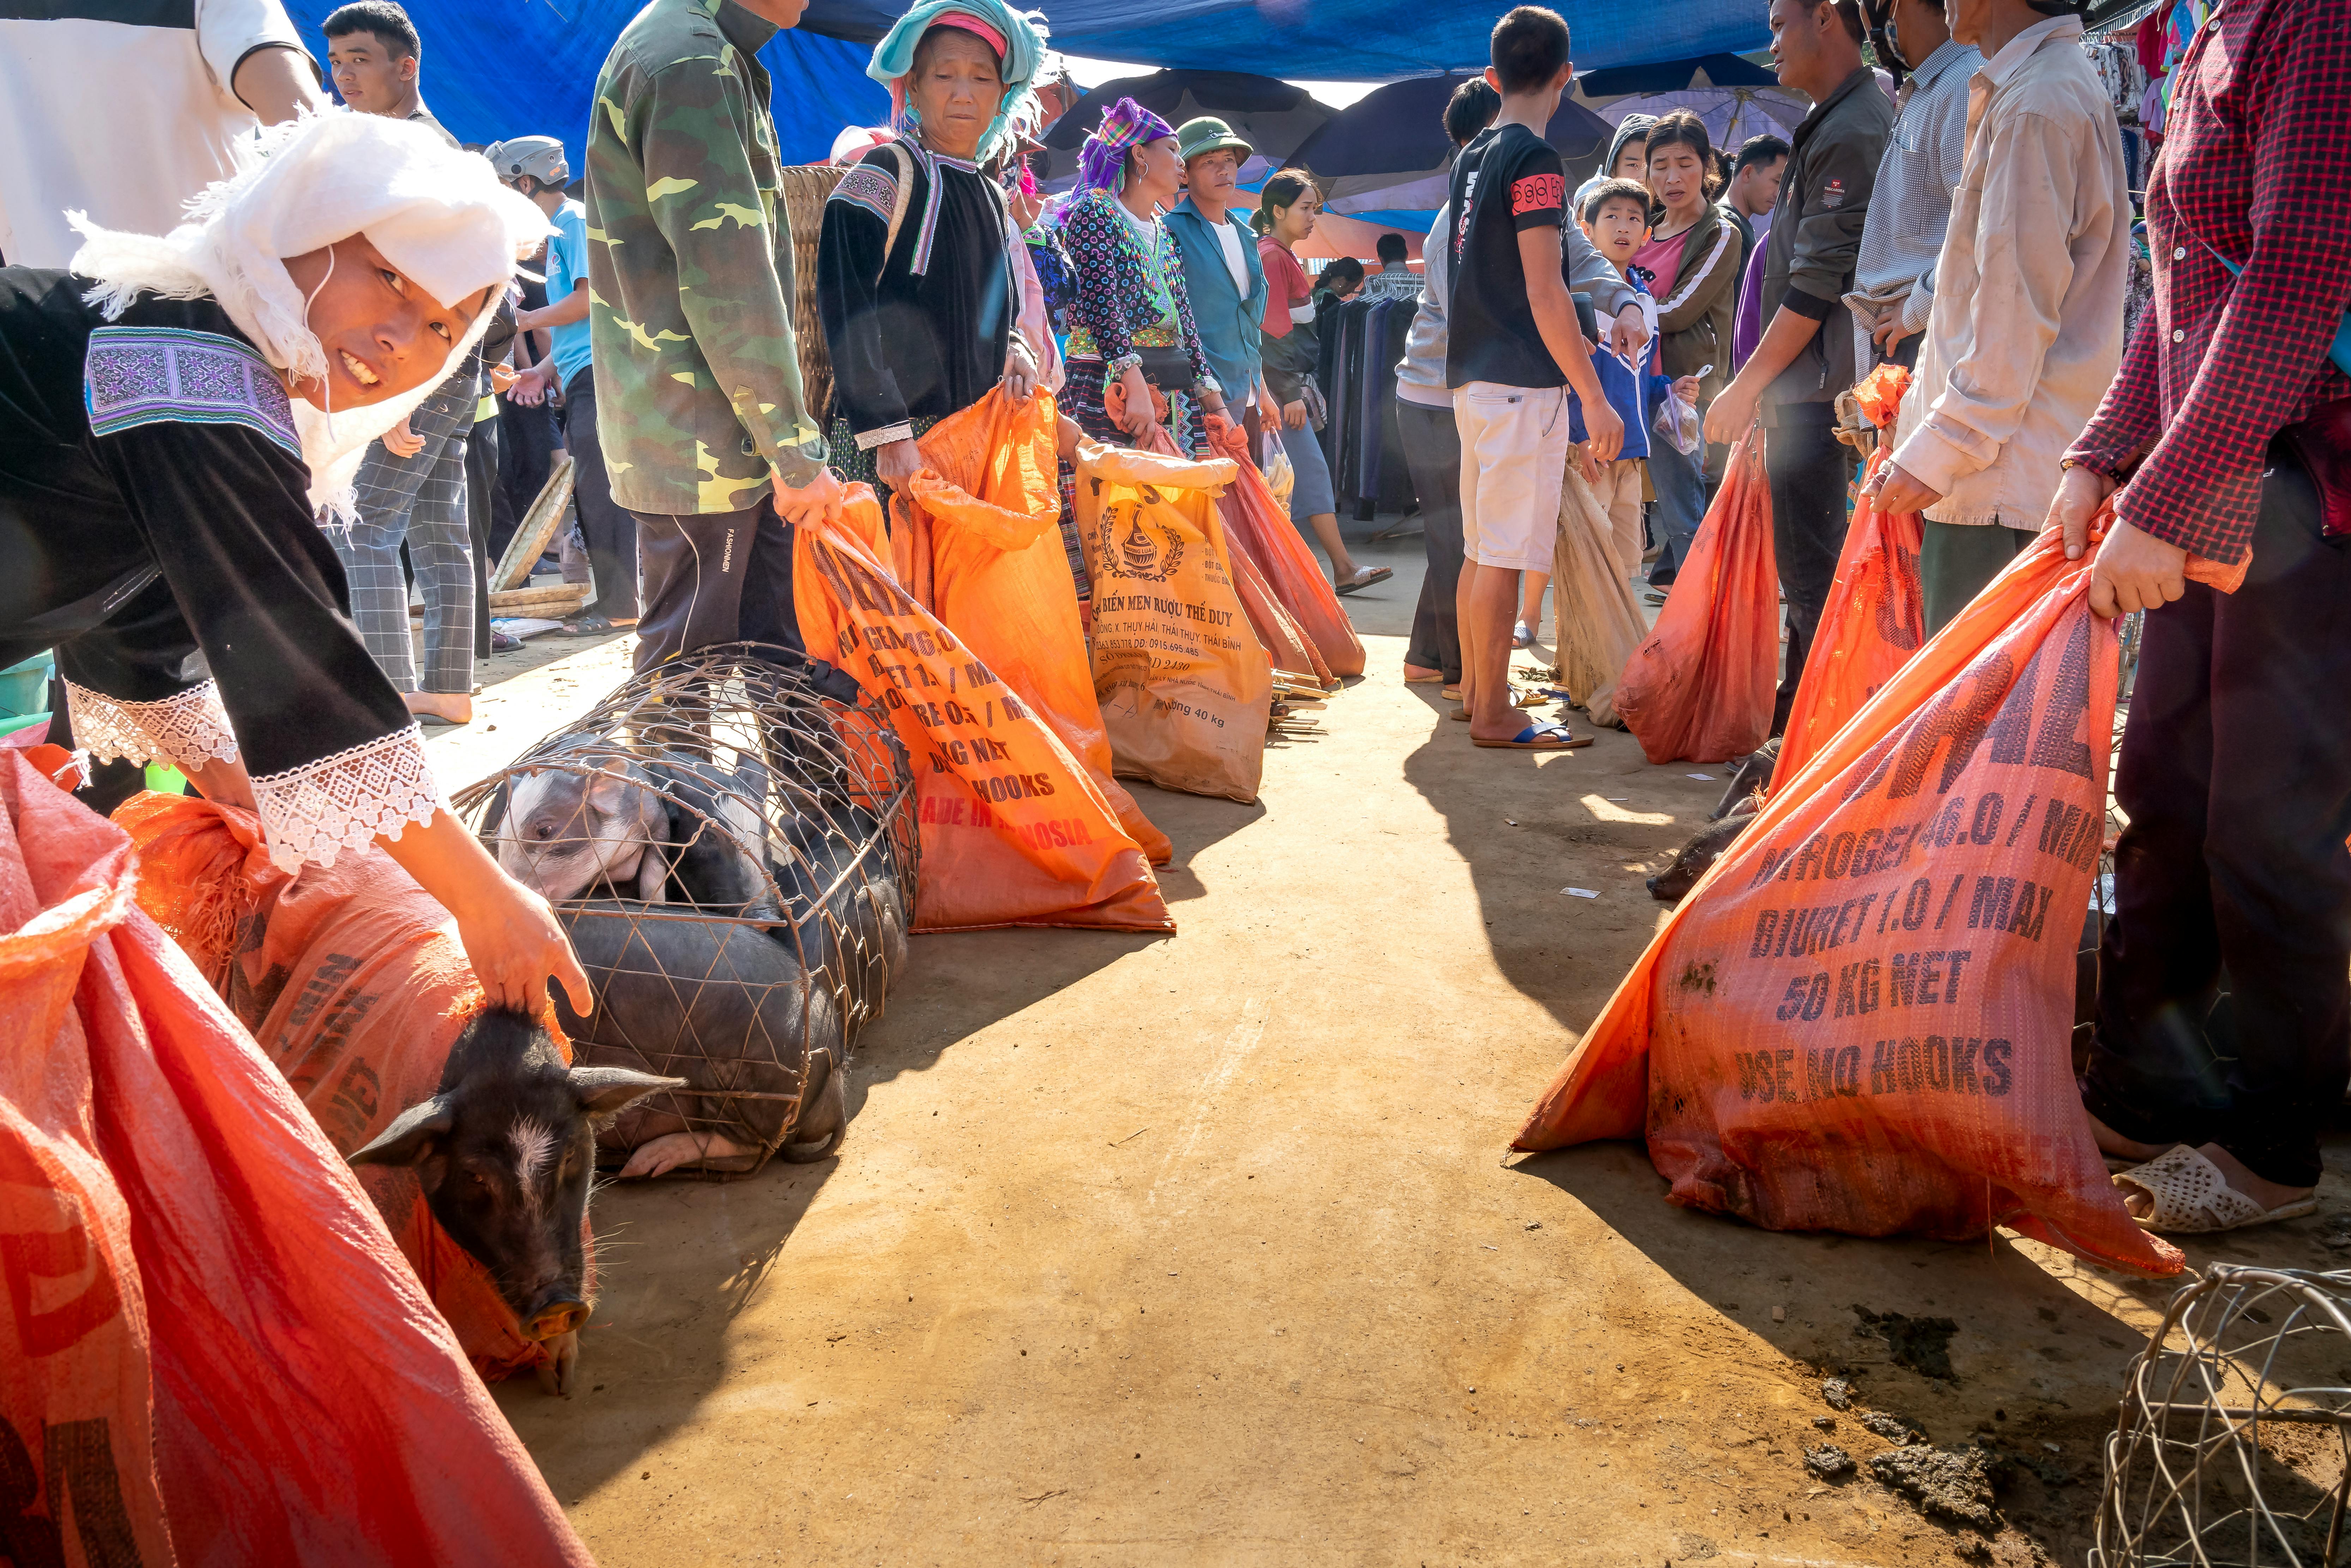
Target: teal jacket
1230	323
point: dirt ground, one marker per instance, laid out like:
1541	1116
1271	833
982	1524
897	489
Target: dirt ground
1217	1254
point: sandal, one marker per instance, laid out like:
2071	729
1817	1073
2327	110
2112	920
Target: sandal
1365	579
2193	1198
589	626
1539	736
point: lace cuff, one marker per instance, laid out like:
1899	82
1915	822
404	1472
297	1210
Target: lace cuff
185	731
869	439
314	812
1120	366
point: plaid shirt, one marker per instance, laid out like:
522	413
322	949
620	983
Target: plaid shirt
2256	164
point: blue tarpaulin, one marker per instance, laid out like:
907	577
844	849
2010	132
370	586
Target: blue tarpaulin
496	68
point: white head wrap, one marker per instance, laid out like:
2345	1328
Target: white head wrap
438	215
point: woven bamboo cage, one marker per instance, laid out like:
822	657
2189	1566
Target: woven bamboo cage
729	839
806	186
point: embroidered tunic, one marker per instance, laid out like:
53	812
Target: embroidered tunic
155	530
1130	296
922	332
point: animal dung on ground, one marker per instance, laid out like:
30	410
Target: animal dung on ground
729	840
1828	1461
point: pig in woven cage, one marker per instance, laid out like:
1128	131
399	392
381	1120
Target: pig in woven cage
729	839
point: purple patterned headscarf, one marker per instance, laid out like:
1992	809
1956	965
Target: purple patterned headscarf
1101	163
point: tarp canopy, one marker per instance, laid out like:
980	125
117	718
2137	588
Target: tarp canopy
1269	114
521	68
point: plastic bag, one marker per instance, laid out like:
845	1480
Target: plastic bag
216	1355
1600	622
1700	688
1184	687
976	539
353	983
1875	620
1013	829
1860	1018
1259	526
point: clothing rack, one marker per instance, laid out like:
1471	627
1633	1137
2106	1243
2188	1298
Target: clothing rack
1360	343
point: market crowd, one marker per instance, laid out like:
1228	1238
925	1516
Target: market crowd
178	409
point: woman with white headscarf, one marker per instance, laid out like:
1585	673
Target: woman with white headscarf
176	414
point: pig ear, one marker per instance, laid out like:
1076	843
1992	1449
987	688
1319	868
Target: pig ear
409	1141
606	1090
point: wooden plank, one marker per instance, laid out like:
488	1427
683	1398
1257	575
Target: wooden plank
538	526
553	602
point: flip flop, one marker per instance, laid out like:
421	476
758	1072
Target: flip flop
2193	1198
1540	736
589	626
1365	579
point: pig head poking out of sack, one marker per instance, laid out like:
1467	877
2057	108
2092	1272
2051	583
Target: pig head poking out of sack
472	1128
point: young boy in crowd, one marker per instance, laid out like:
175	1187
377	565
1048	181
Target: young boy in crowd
1616	216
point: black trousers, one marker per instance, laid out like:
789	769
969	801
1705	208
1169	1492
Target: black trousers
1809	471
610	530
715	577
528	438
1432	449
2224	1011
481	486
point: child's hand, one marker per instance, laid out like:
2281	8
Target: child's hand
1587	464
1686	389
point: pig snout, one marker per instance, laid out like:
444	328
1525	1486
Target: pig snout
556	1312
1695	856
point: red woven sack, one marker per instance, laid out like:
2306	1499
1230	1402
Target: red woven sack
216	1355
1875	618
1860	1018
1700	688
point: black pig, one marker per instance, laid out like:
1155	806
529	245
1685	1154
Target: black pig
504	1151
1702	852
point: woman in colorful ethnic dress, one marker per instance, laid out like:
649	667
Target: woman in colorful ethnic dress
1129	319
919	266
176	413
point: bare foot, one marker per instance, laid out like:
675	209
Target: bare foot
666	1153
1416	673
2267	1194
2113	1142
457	708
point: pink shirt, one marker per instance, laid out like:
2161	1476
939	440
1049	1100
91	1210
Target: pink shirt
1662	260
1286	286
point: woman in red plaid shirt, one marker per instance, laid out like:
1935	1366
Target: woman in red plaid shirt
2223	1036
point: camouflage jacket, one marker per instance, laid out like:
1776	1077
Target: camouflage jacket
690	267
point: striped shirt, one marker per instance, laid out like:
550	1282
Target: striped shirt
1911	205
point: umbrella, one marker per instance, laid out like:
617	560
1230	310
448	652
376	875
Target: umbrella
1737	99
1395	136
1270	115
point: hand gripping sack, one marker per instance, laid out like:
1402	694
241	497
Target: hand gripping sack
1860	1018
353	983
1600	622
1185	689
1874	620
1700	688
216	1355
976	539
1014	830
1259	526
1876	617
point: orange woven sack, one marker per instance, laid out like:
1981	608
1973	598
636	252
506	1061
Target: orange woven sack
1700	688
1875	618
1014	830
1258	526
1860	1018
978	540
351	979
1185	687
216	1355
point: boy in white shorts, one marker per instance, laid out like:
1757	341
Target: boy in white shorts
1513	352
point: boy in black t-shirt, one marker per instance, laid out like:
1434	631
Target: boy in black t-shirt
1512	350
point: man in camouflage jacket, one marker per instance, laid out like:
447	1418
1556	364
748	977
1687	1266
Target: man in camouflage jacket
690	318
